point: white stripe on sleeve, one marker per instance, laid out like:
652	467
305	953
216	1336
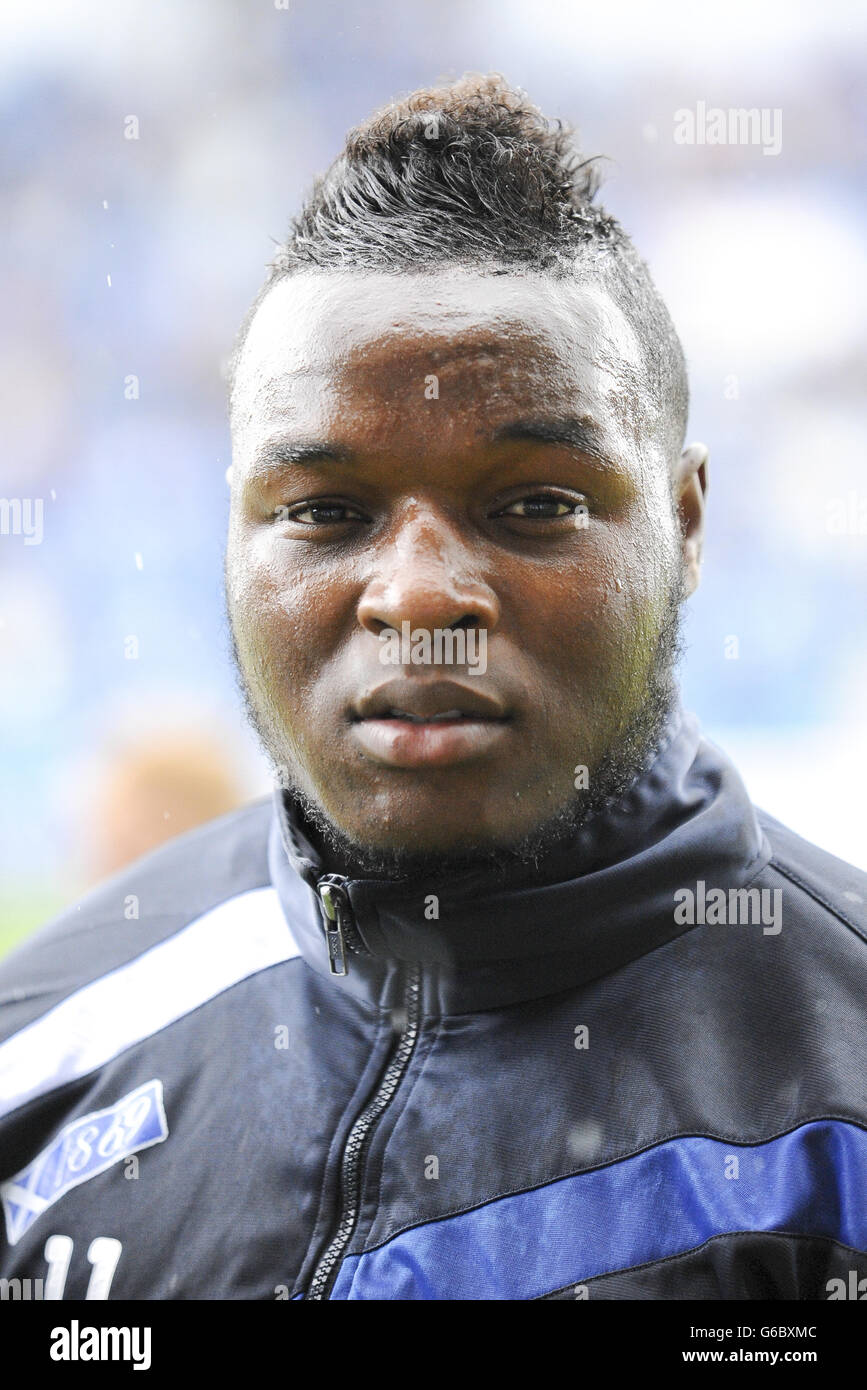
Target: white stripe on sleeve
236	939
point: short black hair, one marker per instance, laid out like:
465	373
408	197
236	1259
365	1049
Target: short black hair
472	174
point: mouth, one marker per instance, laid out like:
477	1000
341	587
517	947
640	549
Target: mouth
446	717
412	724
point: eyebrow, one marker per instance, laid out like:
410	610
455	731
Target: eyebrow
288	450
575	432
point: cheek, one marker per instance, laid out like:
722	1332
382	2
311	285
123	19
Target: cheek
647	558
642	552
287	614
593	621
572	604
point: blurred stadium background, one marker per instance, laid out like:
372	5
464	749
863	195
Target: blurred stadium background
127	264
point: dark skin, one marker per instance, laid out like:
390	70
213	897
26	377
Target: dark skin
531	498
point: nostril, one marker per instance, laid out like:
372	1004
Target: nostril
380	625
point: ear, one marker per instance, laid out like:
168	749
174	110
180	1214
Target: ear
690	491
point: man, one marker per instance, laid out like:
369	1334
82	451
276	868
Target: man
511	993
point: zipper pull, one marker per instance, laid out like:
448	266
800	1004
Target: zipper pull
338	917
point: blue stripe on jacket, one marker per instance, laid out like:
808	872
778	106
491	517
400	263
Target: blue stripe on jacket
667	1200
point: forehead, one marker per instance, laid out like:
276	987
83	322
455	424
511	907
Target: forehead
335	344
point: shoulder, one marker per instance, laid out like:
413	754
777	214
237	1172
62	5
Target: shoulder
134	911
816	883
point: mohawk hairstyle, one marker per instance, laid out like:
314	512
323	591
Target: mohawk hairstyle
472	174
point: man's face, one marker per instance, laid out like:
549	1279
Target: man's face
447	450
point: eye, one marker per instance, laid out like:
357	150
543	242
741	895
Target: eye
322	513
543	506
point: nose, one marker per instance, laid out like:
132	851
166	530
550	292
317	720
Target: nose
428	576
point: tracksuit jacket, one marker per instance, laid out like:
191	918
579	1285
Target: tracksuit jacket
638	1074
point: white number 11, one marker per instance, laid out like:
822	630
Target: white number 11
103	1254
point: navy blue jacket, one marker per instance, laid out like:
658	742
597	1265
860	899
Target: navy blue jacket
641	1075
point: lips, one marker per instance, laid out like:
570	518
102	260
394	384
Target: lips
416	724
428	701
424	719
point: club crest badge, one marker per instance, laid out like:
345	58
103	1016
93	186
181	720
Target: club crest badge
82	1149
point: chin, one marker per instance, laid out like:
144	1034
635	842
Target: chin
429	838
394	845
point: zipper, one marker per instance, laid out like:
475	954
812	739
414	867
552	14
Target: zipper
341	933
354	1149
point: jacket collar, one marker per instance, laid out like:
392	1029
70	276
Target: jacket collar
605	900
